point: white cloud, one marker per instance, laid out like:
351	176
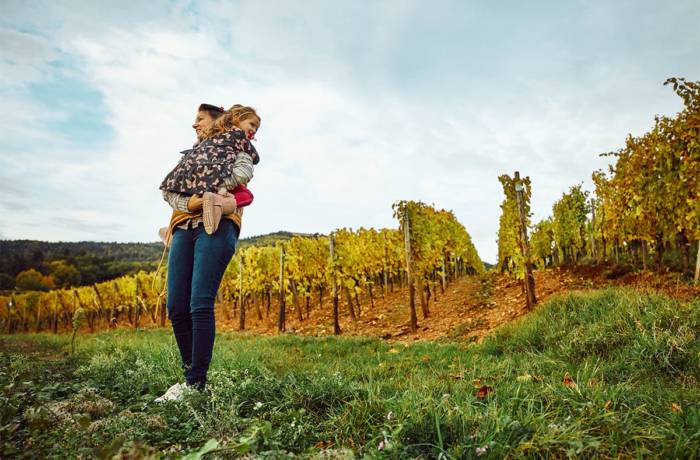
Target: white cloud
24	55
347	127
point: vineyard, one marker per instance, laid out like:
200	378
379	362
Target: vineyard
430	250
645	209
645	206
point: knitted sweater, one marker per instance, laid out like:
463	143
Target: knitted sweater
178	202
179	218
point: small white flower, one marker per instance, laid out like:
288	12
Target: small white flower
384	444
390	415
258	405
481	450
445	396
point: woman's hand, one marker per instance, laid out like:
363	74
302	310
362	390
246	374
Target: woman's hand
195	203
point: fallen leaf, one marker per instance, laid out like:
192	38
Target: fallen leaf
608	405
524	378
483	392
425	358
593	382
393	350
675	407
476	383
568	381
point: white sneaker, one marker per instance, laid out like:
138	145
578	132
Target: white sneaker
174	393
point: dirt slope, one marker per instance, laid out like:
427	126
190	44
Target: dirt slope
468	309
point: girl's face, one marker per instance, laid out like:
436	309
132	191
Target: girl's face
250	126
202	122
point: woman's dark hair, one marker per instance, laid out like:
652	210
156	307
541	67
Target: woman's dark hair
213	111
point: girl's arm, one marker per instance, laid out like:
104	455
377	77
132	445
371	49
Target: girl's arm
177	201
181	202
242	171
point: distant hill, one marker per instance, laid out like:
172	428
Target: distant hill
95	261
270	239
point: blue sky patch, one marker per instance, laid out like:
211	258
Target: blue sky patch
82	109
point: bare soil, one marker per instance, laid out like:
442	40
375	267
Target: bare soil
468	309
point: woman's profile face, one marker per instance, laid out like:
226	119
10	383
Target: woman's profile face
201	122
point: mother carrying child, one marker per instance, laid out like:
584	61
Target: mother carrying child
204	230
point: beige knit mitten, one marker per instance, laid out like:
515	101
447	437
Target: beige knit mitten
214	207
210	213
165	236
228	204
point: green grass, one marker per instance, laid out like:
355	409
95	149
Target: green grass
632	357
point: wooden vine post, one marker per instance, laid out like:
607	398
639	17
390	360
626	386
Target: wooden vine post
385	271
697	265
241	301
11	304
281	326
411	287
529	279
54	312
443	276
593	248
334	282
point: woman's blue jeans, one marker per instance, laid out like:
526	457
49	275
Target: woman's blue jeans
196	265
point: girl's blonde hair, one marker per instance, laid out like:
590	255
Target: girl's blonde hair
230	119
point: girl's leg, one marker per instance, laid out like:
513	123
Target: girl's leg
180	262
212	253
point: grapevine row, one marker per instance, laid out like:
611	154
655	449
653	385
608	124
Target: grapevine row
366	263
646	204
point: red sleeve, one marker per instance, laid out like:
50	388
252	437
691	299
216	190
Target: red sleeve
243	196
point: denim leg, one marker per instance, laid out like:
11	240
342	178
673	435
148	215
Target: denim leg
212	253
180	262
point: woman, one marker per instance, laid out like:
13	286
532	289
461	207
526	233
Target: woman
196	264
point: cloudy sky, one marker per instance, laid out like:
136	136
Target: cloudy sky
363	103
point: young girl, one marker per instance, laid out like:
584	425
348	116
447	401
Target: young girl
217	164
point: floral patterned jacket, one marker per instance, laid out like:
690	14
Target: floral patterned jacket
204	168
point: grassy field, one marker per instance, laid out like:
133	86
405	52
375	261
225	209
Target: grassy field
609	374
